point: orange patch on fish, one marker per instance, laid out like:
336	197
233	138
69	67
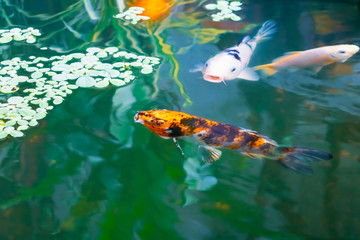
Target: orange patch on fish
154	8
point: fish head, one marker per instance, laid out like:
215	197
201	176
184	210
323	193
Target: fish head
342	52
222	67
163	122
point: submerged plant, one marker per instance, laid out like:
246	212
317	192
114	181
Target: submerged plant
132	15
45	82
226	10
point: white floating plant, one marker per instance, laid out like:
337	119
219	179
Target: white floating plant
226	10
132	15
49	80
28	35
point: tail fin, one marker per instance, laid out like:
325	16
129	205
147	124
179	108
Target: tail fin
266	69
299	159
266	31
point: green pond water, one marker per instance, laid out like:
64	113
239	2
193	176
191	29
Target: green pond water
87	171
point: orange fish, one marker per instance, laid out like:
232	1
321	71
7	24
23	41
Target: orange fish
315	58
154	8
214	135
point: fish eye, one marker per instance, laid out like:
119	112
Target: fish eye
206	64
342	51
233	69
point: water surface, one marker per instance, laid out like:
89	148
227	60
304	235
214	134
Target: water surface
89	172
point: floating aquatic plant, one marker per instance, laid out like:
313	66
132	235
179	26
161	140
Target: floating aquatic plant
226	10
49	80
132	15
28	35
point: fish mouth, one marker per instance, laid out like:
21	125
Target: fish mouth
138	119
356	50
212	78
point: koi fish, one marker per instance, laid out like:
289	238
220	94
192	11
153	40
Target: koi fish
233	62
154	9
214	135
315	58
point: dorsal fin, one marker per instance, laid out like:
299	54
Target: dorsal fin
248	74
245	39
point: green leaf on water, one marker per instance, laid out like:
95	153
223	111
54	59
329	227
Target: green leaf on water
5	39
26	112
40	115
15	100
102	84
16	133
58	100
85	81
117	82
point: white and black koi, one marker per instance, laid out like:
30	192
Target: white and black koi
233	62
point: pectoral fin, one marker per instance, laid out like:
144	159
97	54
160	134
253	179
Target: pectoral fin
316	69
248	74
197	68
245	39
209	154
178	145
345	60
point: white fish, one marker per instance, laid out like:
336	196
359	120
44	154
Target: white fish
315	58
233	62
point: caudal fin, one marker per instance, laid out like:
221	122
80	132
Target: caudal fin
266	31
267	69
299	159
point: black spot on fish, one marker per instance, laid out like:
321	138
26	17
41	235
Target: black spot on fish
235	55
234	51
193	123
265	148
249	46
220	134
248	139
175	130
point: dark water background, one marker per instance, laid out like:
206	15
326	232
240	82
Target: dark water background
89	172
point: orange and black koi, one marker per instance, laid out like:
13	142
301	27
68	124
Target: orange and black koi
172	124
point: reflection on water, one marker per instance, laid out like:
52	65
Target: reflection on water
87	171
